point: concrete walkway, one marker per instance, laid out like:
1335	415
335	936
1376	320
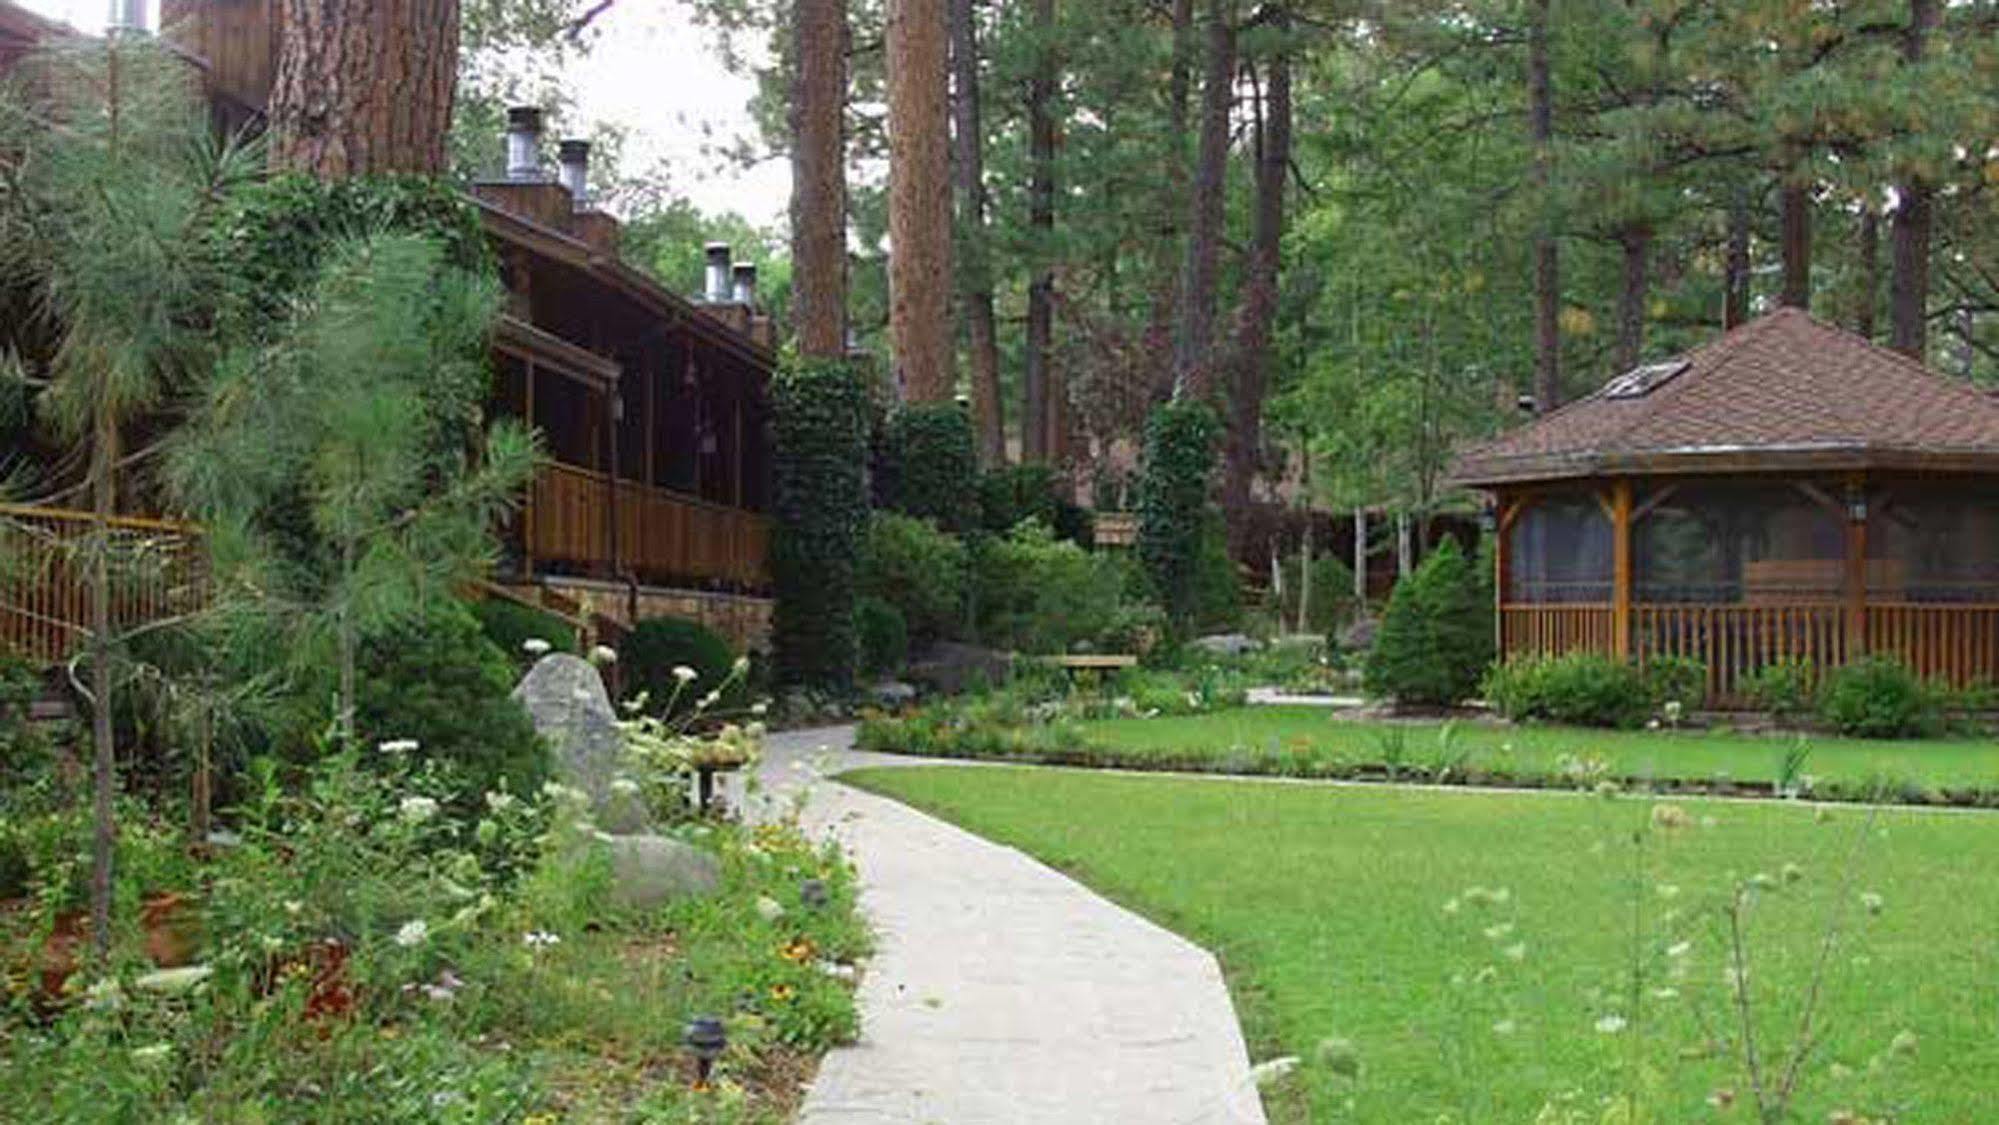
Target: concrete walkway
1001	991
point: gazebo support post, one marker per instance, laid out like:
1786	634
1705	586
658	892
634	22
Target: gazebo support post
1620	589
1508	507
1856	566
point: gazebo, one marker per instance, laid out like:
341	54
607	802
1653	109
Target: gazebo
1789	491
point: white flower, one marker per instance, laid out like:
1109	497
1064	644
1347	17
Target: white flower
1505	1027
1610	1024
1871	902
535	646
104	995
624	786
398	746
685	674
540	939
769	909
759	708
416	810
708	700
1264	1073
153	1052
741	666
499	802
603	654
413	933
1679	948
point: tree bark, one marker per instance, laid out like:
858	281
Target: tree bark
1870	273
819	178
1735	282
1547	265
1794	212
974	268
1636	242
1038	391
363	87
1193	344
919	178
1909	286
104	759
1167	250
1257	315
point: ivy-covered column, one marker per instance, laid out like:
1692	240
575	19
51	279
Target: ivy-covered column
1180	440
820	411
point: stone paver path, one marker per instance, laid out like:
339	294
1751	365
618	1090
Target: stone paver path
1001	991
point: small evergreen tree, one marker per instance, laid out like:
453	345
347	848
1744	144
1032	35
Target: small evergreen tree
1180	440
1436	637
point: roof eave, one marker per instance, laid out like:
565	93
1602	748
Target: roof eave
1494	472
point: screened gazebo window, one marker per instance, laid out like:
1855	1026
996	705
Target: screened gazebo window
1930	544
1718	544
1559	550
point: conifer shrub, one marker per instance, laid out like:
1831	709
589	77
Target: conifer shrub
920	570
928	457
1180	442
884	636
1436	636
657	646
1877	697
1039	594
1012	493
820	412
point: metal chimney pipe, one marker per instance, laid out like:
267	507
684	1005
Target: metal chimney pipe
524	142
127	15
744	292
718	272
575	174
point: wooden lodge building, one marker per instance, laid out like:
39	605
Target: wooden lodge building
653	407
1790	491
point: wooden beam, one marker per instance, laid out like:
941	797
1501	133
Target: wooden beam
1856	566
1620	605
1508	509
527	506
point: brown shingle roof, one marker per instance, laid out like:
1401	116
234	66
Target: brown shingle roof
1782	391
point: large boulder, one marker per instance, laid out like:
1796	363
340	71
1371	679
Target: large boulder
649	871
948	668
1226	644
572	712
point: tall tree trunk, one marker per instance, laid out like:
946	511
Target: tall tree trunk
1257	315
1794	212
1167	252
363	87
1360	558
1636	242
1547	265
1037	377
919	212
1909	287
1735	281
1870	273
976	295
819	178
1193	343
104	760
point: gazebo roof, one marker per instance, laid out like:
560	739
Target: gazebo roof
1782	392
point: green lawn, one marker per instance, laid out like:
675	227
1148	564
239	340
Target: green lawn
1327	906
1702	755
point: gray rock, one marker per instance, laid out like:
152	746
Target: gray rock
1227	644
949	668
649	871
893	693
565	697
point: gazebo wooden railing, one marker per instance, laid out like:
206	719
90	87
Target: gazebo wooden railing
44	592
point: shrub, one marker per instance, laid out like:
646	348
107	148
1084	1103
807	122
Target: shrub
1582	688
884	636
1217	588
510	625
1676	679
1013	493
1436	637
919	570
438	680
1877	697
928	454
1180	439
820	410
1781	687
1039	594
658	645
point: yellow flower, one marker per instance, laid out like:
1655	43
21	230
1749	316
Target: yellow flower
798	950
782	992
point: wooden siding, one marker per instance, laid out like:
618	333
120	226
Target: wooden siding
660	535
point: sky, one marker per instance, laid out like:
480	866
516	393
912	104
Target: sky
651	71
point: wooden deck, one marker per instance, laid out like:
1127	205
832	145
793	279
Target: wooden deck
578	518
44	598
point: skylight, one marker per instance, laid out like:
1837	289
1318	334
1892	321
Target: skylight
1641	381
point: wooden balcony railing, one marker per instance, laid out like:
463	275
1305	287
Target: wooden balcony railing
44	590
1956	643
660	535
1733	640
1550	630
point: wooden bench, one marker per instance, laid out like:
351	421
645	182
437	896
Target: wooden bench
1081	664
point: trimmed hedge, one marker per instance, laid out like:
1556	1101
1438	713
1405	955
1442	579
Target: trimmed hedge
1180	443
928	455
820	423
510	625
1877	697
658	645
884	636
1580	688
